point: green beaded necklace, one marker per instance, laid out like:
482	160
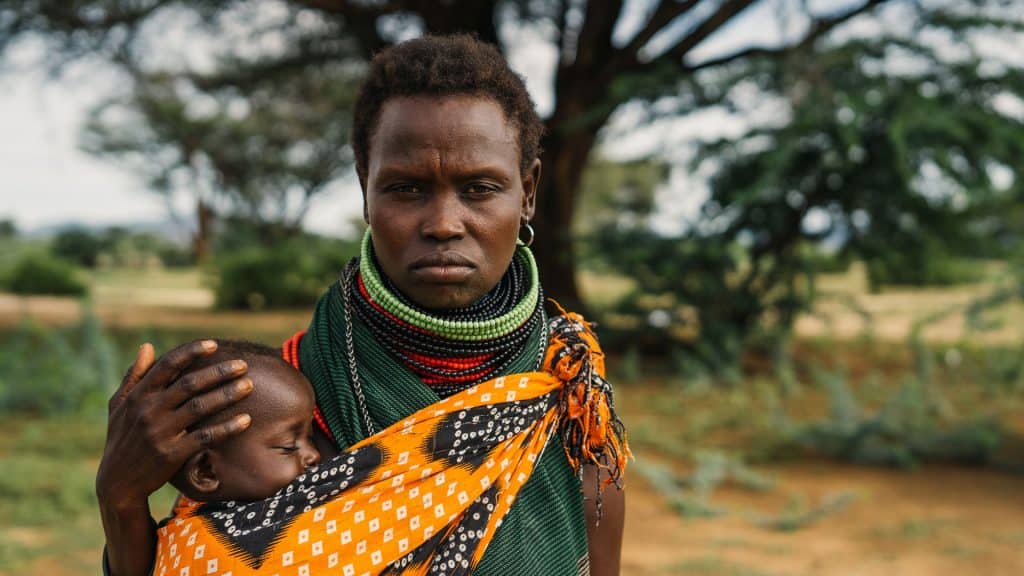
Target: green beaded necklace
447	328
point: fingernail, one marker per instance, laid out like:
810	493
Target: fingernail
244	385
244	420
238	365
209	345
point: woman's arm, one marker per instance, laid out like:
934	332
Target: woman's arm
148	440
604	538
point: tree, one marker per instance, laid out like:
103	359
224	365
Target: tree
617	194
599	67
79	245
259	157
895	153
8	229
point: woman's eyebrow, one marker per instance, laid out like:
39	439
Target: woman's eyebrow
398	170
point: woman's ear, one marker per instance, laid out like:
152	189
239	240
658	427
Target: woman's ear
200	474
531	181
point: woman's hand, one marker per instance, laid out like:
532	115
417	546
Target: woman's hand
149	437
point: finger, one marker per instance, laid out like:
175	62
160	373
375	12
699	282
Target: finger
143	362
171	364
215	433
201	406
197	382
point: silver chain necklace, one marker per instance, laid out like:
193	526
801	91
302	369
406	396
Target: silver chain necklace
350	350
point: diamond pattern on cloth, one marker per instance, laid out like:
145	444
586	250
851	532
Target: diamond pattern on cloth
424	496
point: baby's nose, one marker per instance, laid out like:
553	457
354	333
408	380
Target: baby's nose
311	457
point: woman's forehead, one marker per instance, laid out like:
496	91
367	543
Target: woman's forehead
414	129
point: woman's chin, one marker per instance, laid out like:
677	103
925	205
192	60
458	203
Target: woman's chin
442	297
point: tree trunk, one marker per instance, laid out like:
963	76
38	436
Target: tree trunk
204	232
565	156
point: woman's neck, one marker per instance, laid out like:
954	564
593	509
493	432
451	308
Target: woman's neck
452	349
504	308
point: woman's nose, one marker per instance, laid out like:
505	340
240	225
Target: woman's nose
442	219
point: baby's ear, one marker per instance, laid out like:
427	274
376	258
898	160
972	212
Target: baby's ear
200	475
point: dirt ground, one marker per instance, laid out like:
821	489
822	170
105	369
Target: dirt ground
929	522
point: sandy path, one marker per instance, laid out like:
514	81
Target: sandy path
930	522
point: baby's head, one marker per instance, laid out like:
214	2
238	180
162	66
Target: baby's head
275	448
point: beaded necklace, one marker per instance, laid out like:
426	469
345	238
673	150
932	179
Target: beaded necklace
485	320
451	350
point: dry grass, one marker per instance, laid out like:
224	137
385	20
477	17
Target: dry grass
845	309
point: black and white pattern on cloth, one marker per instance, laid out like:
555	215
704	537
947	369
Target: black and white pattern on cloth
251	528
462	439
466	438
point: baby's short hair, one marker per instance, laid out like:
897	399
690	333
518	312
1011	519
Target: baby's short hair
256	356
229	349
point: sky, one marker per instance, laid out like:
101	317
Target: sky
48	180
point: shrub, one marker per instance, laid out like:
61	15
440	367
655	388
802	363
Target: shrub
8	229
912	426
53	371
40	273
290	274
78	245
896	268
825	262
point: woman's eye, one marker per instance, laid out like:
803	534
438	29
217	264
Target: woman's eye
480	189
405	189
288	449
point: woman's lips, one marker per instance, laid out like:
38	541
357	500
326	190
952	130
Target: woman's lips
442	267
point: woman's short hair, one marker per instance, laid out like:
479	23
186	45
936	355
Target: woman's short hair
444	66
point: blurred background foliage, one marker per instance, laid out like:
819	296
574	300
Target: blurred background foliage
870	123
867	167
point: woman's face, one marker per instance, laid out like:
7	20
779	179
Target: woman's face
444	196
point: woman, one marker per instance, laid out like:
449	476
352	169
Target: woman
446	143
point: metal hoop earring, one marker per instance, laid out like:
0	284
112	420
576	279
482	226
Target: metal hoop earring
529	231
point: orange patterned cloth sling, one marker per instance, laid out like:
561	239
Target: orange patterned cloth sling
424	496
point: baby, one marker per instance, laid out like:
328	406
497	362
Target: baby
274	450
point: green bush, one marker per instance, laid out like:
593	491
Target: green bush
896	268
78	245
36	491
57	371
825	262
914	425
40	273
290	274
118	247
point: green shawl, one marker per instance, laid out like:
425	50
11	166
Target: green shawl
543	534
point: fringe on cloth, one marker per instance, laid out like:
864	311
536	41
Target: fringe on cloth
592	432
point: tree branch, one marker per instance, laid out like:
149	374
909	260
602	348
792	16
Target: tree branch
595	38
247	75
818	29
347	8
466	16
664	14
725	13
360	18
581	74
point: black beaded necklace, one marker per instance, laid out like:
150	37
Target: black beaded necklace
451	365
